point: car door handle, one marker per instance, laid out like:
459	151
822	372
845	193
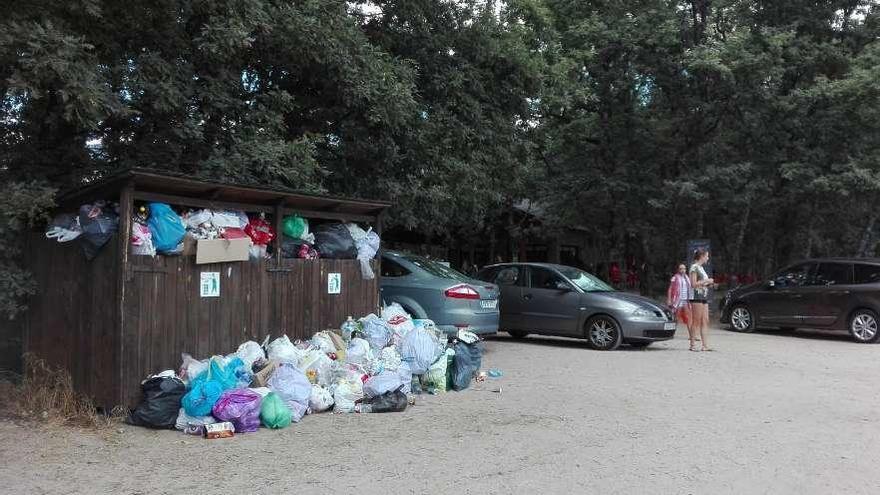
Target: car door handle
527	297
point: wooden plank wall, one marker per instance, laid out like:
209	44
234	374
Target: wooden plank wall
72	321
165	315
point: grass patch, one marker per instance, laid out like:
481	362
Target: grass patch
45	394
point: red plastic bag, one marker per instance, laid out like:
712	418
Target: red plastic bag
233	233
682	315
260	231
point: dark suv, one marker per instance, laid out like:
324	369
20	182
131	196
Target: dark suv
833	294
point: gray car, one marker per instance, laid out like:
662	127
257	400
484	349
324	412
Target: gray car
429	289
560	300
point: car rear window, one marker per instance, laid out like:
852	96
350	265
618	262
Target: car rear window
436	269
867	274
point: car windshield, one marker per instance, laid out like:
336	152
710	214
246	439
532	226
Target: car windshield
587	282
435	268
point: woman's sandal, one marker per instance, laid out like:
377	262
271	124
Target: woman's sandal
692	348
706	349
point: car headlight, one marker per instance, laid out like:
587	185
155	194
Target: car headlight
642	313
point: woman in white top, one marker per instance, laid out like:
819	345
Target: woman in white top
678	297
700	282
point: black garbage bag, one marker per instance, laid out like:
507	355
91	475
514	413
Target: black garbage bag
334	241
394	401
160	404
99	222
465	365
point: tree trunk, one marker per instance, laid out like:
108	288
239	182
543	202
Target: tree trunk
865	245
741	235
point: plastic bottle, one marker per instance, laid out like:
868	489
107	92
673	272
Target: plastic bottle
347	328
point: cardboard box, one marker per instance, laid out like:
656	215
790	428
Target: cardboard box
222	250
219	430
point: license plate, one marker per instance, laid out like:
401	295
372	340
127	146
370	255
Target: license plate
489	303
669	326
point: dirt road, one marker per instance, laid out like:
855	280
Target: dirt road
767	413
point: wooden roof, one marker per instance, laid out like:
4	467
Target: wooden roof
197	193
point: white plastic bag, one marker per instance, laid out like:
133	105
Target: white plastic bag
398	320
367	248
359	352
293	388
388	381
375	331
184	420
356	232
191	368
323	342
405	377
390	359
283	350
196	218
419	349
229	219
316	359
345	394
250	352
320	400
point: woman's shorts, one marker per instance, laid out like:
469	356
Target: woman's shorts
699	301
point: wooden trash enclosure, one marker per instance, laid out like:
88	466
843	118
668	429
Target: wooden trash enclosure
118	318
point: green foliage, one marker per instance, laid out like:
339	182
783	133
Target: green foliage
753	123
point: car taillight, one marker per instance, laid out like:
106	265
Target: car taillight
462	291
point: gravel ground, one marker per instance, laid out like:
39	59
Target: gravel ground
766	413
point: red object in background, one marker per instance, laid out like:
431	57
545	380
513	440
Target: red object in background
614	273
233	233
632	279
260	231
682	315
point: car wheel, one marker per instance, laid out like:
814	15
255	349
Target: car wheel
603	333
517	334
741	319
863	326
639	345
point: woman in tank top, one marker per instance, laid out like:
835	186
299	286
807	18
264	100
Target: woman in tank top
700	282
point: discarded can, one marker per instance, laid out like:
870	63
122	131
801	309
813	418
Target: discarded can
197	429
219	430
313	376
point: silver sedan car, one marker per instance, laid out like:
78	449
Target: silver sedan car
560	300
429	289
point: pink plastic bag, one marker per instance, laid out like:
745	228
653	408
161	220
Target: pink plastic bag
241	407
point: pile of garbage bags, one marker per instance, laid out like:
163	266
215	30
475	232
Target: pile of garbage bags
374	366
158	229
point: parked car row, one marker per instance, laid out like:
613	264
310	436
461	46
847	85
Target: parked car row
539	298
522	299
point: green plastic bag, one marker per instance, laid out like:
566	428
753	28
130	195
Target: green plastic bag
436	376
450	356
273	412
295	226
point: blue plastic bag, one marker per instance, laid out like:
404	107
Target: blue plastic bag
206	388
465	364
166	226
201	397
